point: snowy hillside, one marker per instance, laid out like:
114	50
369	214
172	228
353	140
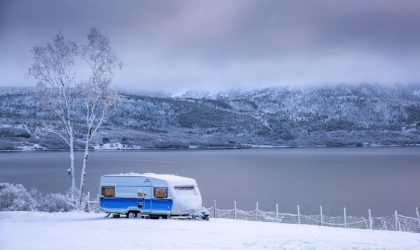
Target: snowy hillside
36	230
324	116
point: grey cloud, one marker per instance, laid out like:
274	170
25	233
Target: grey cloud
179	45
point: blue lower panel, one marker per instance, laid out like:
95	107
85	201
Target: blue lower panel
147	205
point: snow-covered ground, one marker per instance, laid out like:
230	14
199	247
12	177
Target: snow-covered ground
36	230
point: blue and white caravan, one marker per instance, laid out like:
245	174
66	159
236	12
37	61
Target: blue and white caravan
151	195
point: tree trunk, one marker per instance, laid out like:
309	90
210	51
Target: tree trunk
73	174
85	162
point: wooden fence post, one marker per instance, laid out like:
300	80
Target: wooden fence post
234	204
397	227
345	217
256	211
298	213
322	217
214	212
88	201
370	219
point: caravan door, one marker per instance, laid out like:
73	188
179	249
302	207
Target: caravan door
148	196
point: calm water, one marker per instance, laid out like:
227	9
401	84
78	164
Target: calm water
383	179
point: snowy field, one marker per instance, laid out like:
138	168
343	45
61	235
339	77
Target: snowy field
37	230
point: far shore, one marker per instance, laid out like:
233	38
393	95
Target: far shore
200	148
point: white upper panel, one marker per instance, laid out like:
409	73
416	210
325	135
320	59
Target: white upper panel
174	180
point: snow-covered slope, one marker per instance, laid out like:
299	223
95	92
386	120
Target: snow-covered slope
35	230
339	115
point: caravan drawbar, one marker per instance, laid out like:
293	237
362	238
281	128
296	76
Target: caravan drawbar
151	195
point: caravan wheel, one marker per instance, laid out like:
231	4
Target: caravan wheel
132	214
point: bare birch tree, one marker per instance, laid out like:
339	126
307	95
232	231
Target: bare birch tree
53	67
98	99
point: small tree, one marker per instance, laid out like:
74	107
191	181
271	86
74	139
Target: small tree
98	99
53	67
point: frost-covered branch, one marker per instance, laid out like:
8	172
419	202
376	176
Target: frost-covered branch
99	99
53	67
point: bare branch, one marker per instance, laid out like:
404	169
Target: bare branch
99	99
53	68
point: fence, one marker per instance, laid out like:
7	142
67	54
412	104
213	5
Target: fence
92	205
395	222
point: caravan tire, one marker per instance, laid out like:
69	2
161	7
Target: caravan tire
131	214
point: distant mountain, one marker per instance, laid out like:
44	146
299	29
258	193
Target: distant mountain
339	115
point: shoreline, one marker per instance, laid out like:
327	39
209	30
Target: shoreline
198	148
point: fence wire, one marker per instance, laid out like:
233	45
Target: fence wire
395	222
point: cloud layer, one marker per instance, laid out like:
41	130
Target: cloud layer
210	45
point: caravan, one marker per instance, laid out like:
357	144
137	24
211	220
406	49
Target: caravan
151	195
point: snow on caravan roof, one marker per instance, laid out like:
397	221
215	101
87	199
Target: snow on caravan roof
170	178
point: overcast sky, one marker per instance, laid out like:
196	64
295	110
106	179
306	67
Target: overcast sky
174	46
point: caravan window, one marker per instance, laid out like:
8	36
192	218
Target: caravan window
160	192
108	191
184	190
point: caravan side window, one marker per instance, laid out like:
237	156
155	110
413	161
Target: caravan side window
185	190
160	192
108	191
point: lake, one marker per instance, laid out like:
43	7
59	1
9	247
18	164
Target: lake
382	179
